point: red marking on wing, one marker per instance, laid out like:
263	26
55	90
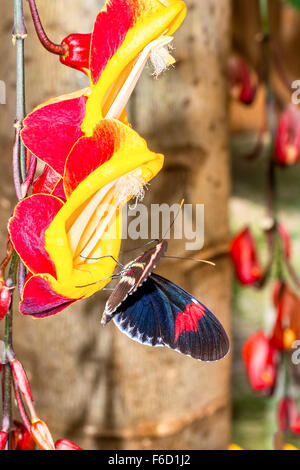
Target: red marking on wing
188	320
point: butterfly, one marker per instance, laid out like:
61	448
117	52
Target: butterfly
154	311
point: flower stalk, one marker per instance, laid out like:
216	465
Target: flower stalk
19	34
58	49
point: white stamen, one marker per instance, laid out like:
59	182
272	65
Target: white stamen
79	225
131	185
107	201
161	59
126	91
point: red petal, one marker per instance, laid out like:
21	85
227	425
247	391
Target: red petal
46	182
59	190
27	228
286	413
51	131
22	437
110	29
244	257
5	298
88	154
65	444
3	440
40	300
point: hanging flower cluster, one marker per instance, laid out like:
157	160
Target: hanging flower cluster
67	233
267	355
33	431
94	161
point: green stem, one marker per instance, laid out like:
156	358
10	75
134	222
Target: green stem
7	389
19	35
274	241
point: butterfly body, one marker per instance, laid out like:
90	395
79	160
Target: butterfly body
154	311
133	276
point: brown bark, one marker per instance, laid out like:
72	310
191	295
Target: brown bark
94	385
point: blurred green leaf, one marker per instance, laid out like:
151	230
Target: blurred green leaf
294	3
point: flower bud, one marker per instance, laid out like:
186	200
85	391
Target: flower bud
21	380
79	52
287	140
287	324
22	437
243	254
295	426
65	444
260	359
41	435
5	298
242	84
3	439
286	413
286	240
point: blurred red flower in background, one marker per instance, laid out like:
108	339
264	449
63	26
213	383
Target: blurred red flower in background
288	415
286	240
260	359
244	257
287	140
242	84
287	325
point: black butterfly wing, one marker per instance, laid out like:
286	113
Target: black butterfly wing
146	316
162	314
197	332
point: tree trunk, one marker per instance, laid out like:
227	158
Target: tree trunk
95	385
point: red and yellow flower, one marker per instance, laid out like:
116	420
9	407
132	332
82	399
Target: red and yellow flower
56	240
261	361
68	232
125	34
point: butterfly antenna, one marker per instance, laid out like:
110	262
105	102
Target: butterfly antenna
101	257
191	259
156	240
140	247
113	276
174	220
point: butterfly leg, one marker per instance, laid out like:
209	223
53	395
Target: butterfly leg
105	256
